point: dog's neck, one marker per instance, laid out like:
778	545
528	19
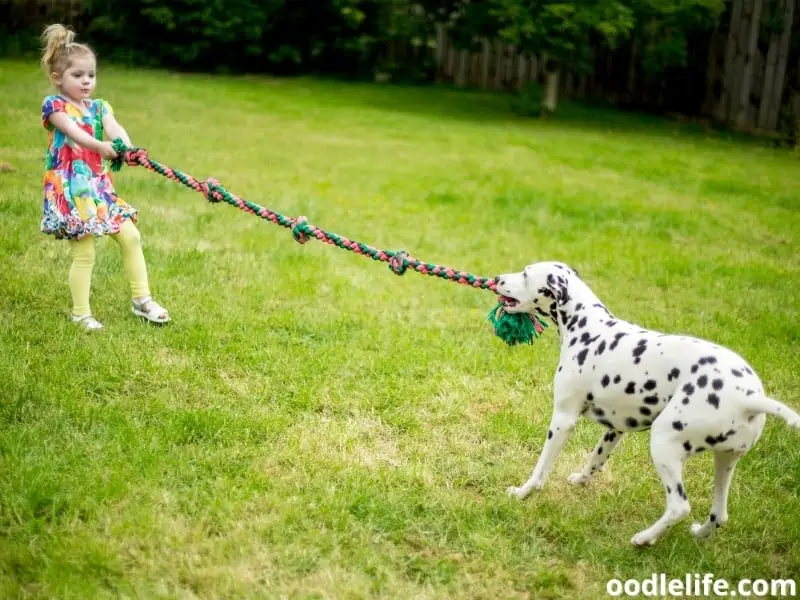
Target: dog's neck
578	302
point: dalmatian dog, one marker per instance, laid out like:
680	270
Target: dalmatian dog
692	395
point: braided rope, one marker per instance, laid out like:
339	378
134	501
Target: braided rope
512	328
399	261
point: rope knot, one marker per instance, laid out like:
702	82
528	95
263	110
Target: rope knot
300	230
399	263
135	156
212	189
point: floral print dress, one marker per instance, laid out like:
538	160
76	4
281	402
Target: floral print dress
79	196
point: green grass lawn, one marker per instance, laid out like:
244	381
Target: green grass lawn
311	425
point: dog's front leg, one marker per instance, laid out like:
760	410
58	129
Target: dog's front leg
597	458
561	425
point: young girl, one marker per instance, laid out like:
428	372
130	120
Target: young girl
79	198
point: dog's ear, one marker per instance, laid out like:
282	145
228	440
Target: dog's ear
557	284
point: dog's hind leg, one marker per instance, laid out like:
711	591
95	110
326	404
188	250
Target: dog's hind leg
724	465
668	457
561	425
597	458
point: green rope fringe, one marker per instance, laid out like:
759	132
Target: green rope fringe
515	328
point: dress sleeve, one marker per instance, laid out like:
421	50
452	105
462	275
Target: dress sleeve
104	108
50	105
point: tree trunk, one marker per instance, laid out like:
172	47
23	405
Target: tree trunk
712	73
769	75
550	99
723	111
632	67
742	114
776	95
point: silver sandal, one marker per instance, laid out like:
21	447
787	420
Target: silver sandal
149	309
88	322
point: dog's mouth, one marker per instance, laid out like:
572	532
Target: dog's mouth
508	301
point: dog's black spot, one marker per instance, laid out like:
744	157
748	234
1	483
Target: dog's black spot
651	400
617	379
600	450
730	432
650	385
677	426
717	384
591	341
713	400
638	351
631	387
694	368
708	360
748	371
598	411
582	323
563	316
617	338
578	306
687	445
702	381
679	489
688	389
749	393
669	490
610	436
589	396
559	368
610	323
606	423
699	449
685	400
600	348
736	373
581	356
572	342
645	411
605	381
711	441
572	322
549	433
631	422
585	337
712	517
673	374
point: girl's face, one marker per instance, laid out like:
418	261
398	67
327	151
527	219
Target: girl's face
79	79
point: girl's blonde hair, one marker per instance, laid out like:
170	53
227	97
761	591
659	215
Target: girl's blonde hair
59	49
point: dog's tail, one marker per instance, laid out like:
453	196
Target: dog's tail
763	404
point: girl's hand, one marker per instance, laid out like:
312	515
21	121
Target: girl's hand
107	151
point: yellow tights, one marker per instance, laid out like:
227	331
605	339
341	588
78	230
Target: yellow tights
80	274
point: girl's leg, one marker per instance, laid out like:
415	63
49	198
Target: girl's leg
130	242
80	275
80	282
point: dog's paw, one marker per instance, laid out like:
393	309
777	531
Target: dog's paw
699	531
642	539
578	479
516	492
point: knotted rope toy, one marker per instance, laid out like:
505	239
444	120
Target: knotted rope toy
512	328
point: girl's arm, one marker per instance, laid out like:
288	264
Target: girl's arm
114	130
68	127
